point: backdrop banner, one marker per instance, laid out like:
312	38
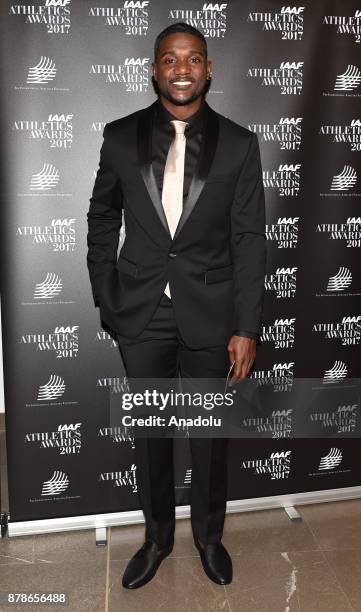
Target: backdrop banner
290	73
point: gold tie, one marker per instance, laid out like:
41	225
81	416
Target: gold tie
172	192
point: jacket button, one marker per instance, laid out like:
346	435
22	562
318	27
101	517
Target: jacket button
172	254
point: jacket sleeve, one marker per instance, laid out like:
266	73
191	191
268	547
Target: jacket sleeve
104	218
245	334
249	242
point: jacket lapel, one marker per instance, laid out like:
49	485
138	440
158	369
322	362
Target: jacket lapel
208	148
144	142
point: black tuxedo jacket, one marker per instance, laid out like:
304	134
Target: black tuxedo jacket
215	263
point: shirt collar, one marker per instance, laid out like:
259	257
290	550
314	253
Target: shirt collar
194	121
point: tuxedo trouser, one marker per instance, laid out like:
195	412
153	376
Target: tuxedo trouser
159	352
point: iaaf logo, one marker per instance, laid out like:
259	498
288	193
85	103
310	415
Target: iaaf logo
288	77
281	333
346	25
341	420
348	330
132	17
280	377
53	14
289	21
349	231
131	4
211	19
336	373
116	383
59	234
345	180
287	132
63	341
282	282
277	465
136	61
286	179
57	129
71	427
103	336
133	74
51	390
122	478
66	438
281	413
284	232
117	434
348	134
57	2
208	6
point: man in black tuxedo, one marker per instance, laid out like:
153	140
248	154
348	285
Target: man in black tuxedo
185	293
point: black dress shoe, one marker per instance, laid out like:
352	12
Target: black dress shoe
144	564
216	561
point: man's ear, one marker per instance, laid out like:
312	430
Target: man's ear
154	71
209	67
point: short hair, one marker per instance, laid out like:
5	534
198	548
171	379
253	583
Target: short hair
185	28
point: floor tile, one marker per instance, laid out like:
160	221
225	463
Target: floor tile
285	582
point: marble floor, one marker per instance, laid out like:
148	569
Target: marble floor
313	565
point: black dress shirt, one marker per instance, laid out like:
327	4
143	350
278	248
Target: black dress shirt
162	136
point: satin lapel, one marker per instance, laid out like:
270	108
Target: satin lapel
208	149
144	143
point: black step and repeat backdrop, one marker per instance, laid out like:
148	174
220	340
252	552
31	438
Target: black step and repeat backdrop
292	74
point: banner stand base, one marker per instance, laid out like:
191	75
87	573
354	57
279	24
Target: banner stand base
100	522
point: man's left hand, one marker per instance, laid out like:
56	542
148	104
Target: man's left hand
243	351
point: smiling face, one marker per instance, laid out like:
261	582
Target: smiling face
181	69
